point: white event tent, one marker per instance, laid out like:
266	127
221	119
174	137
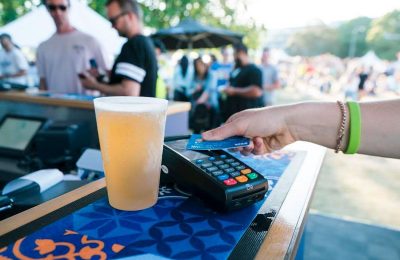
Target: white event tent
37	26
370	59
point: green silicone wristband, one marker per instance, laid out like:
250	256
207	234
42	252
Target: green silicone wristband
355	127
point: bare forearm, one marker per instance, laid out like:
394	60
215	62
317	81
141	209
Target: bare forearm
316	122
319	122
18	74
116	90
203	98
380	131
248	92
273	86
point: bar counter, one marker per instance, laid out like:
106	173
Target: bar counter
289	202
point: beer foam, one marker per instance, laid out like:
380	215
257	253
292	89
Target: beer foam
130	104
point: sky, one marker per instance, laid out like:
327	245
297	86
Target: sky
280	14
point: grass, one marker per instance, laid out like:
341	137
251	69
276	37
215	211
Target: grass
360	187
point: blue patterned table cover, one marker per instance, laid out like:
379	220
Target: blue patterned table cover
177	227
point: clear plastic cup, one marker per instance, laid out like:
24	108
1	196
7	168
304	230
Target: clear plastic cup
131	134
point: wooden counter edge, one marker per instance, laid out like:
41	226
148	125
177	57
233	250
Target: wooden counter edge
282	237
41	210
35	99
173	106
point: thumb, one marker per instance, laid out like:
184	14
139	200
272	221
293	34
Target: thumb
222	132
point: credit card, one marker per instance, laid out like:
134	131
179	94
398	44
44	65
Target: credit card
197	143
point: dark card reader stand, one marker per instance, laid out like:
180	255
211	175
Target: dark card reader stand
218	178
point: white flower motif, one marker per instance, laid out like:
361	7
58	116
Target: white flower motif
164	190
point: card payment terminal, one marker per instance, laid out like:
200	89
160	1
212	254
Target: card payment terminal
222	181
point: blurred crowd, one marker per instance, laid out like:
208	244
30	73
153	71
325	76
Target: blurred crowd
218	83
353	78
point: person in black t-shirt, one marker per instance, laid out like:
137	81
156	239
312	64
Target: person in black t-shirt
245	90
135	70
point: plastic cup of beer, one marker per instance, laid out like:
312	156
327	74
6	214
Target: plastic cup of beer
131	134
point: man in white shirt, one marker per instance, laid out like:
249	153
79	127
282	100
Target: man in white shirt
67	53
13	65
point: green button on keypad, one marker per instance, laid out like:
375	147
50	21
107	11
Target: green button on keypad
252	176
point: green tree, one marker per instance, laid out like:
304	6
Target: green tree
228	14
221	13
12	9
352	37
313	41
384	35
98	6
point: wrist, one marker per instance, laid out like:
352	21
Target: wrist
291	118
316	122
97	85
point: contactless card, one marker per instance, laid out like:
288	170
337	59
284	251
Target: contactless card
197	143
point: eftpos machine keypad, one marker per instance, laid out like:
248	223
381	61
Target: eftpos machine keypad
227	170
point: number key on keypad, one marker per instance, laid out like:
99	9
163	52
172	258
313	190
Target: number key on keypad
234	164
218	162
240	167
216	173
229	160
224	166
234	174
229	170
206	165
211	169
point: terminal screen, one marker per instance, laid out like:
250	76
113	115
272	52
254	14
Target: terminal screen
180	146
17	133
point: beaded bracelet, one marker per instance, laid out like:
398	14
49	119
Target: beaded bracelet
342	127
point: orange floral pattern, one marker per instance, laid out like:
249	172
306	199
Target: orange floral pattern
47	248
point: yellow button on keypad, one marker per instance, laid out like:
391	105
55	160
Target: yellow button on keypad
241	178
245	171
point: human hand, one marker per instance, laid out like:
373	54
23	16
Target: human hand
200	101
230	91
94	72
198	88
265	126
88	81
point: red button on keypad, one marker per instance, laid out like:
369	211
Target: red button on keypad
230	182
